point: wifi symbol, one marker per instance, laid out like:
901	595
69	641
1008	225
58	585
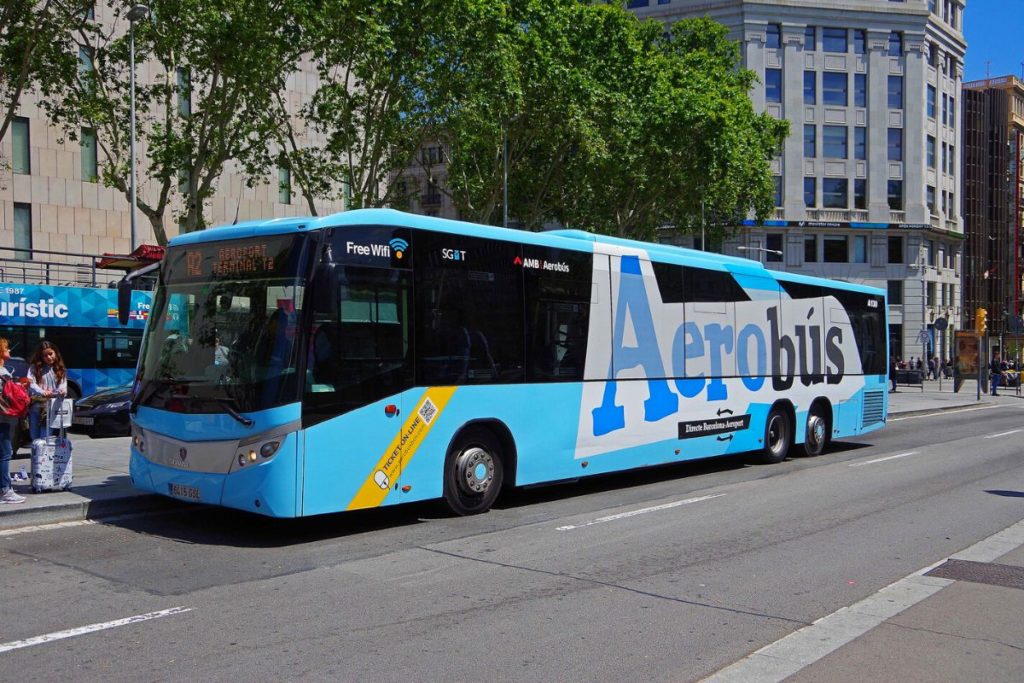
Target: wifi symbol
398	245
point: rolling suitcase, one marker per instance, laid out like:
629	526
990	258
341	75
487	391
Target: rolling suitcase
51	463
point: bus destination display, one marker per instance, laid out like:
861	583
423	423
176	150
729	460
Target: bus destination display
244	259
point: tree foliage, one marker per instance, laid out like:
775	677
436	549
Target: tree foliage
616	126
220	64
33	56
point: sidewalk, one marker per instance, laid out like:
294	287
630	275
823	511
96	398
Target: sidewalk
103	488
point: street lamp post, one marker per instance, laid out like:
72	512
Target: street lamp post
136	13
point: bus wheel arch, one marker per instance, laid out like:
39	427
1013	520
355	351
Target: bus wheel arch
480	459
818	428
778	433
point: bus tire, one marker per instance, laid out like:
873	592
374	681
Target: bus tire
816	432
778	435
473	472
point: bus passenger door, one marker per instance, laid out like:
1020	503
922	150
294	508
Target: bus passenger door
358	367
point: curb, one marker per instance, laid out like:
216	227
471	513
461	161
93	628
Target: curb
83	509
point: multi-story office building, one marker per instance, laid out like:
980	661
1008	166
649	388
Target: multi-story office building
867	185
52	200
994	201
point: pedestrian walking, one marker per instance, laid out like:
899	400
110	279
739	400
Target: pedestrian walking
996	372
7	427
893	366
48	379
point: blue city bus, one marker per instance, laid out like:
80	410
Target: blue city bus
304	366
82	321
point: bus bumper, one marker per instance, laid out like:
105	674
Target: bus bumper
265	488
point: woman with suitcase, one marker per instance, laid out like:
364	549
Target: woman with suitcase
48	379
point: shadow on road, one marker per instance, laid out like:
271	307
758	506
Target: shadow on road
1008	494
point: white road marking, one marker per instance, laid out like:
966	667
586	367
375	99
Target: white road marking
44	527
944	412
888	457
72	632
996	436
788	655
641	511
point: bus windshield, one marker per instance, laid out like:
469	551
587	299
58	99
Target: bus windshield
224	330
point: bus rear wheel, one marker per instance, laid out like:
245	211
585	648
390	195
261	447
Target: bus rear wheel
778	434
816	435
473	472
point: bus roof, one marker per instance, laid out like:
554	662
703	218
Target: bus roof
566	239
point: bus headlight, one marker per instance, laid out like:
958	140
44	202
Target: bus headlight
269	448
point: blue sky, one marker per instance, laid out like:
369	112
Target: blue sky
994	30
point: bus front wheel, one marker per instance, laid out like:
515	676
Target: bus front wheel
473	472
778	434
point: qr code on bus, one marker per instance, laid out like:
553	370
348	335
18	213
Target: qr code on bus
428	410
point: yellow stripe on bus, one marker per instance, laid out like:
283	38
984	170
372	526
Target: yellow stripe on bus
402	448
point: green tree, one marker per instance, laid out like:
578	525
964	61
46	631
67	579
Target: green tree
613	126
221	65
388	70
33	37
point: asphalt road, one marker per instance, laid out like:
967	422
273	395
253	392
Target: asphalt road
668	574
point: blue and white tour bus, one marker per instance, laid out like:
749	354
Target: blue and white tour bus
303	366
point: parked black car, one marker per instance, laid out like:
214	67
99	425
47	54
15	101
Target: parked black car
104	413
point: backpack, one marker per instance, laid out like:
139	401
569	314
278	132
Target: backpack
13	399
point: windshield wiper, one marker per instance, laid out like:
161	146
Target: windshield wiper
223	403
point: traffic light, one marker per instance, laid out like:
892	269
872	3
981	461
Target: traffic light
980	321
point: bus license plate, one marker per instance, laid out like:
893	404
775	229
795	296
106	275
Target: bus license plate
182	491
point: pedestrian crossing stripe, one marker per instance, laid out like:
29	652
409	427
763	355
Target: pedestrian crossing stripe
402	448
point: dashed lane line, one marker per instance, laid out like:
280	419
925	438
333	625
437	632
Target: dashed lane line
91	628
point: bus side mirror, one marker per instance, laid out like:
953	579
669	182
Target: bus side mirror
124	301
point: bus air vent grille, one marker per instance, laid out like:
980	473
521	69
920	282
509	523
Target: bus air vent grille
874	405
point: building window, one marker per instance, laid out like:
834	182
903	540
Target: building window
184	92
895	249
860	248
895	144
778	190
810	191
834	193
21	158
774	39
860	90
895	188
929	151
860	193
929	198
811	248
810	141
833	39
633	4
834	88
895	290
89	160
810	87
773	242
835	249
833	142
773	85
809	38
895	44
22	230
860	41
931	102
860	143
952	112
895	92
284	185
945	108
431	155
